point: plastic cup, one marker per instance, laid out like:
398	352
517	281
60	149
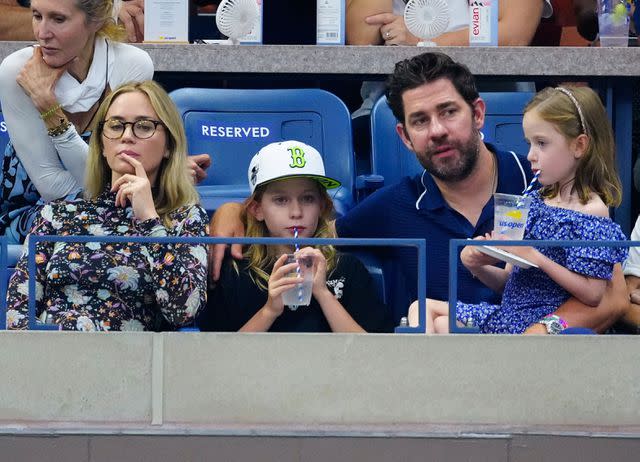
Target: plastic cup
510	215
613	23
300	295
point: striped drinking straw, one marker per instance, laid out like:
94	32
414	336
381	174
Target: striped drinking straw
295	236
529	188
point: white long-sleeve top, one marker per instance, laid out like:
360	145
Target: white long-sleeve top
56	165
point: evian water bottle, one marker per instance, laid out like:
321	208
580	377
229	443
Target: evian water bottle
483	23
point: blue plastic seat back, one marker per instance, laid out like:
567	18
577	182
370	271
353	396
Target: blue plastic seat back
232	125
4	134
391	159
374	266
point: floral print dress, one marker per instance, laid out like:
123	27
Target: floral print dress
112	286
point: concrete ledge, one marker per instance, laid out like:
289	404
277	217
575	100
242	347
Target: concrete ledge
319	384
66	377
379	60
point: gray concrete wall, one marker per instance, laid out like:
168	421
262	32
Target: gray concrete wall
363	60
338	384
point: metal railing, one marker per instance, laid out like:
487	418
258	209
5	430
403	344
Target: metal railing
419	244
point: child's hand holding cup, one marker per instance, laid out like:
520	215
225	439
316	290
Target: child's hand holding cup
300	295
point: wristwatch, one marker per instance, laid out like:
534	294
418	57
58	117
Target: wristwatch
554	324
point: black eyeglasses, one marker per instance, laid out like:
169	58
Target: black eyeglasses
142	129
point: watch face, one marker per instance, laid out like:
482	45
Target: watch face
553	326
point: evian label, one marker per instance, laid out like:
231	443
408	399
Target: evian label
483	22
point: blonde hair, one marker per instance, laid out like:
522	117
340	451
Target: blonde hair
576	111
174	188
105	12
261	257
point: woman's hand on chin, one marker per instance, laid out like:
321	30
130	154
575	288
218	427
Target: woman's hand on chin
39	80
135	189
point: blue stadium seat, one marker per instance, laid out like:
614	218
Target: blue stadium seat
391	160
4	135
374	266
232	125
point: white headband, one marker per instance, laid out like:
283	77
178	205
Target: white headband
575	103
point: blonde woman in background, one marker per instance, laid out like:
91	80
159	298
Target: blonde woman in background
49	95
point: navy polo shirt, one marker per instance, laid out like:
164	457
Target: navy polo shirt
415	208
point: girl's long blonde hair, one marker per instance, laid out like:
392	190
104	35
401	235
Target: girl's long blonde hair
261	257
596	172
173	188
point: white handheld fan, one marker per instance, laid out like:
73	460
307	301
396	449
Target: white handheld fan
426	19
237	18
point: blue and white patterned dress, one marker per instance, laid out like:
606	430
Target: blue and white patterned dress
530	294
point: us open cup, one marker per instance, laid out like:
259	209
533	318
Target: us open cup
510	215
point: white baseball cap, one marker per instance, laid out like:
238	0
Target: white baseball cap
287	159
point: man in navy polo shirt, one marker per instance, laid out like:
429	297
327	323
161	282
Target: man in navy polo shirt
440	115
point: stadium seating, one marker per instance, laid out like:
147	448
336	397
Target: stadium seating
391	160
232	125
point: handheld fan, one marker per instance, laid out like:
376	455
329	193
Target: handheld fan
426	19
237	18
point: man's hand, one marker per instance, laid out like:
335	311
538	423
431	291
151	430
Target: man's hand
198	165
131	15
225	223
473	259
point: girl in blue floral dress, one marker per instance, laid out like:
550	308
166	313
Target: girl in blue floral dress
572	147
137	184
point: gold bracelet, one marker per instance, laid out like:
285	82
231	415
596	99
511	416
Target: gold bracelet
49	112
59	129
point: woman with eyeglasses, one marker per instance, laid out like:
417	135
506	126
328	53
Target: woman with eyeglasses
137	184
49	95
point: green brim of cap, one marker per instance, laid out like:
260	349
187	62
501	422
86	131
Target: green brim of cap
326	182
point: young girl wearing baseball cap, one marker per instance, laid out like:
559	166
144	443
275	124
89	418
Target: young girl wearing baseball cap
289	199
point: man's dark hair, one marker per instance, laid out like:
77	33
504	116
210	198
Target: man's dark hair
427	67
